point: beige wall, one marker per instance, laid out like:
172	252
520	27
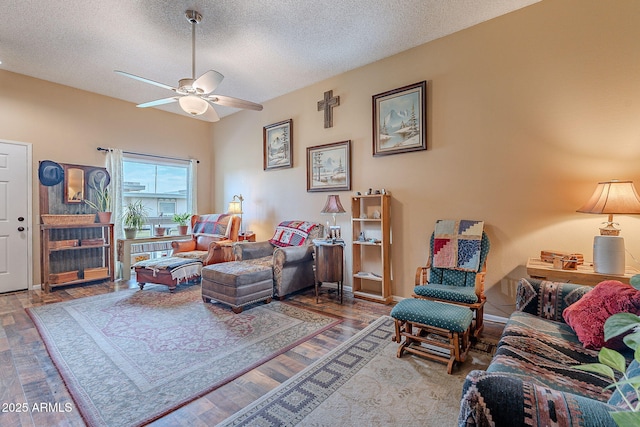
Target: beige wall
67	125
526	113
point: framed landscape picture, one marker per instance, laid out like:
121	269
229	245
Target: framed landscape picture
278	145
399	120
329	167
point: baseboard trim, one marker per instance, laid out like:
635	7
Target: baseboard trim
495	319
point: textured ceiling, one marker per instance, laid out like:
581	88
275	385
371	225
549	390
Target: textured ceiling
264	48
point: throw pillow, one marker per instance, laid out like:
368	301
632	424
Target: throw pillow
217	224
292	233
587	315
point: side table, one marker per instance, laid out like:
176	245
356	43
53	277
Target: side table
583	275
329	265
247	237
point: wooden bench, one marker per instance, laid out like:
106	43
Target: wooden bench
435	330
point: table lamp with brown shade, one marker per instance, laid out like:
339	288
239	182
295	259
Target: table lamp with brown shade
611	197
333	206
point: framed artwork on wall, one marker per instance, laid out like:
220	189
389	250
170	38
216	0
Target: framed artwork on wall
400	120
329	167
278	145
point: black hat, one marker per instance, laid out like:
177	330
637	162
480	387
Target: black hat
50	173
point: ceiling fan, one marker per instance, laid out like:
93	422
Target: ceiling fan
194	95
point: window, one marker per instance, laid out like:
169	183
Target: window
167	207
161	184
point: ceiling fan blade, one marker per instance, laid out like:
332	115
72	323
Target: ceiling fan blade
228	101
208	82
144	80
211	115
158	102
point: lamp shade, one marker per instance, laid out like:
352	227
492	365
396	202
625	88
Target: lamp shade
613	197
333	205
193	105
235	208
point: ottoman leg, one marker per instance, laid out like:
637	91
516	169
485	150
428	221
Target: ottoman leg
268	300
205	299
141	285
237	310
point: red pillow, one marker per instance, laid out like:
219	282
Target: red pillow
587	315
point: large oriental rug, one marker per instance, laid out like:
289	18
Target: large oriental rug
363	383
130	357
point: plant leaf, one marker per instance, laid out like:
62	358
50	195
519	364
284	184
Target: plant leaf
632	340
613	359
597	368
626	419
620	323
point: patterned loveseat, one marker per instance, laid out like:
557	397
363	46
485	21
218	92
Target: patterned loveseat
531	380
289	252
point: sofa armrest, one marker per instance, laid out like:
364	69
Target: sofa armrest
293	254
501	400
252	250
183	245
547	299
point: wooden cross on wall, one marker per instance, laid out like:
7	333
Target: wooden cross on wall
327	105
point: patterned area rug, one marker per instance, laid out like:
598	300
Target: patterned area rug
362	382
130	357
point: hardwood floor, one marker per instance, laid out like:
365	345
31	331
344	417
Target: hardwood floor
29	380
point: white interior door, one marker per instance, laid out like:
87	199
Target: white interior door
15	216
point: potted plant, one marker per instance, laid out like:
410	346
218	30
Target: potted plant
103	202
133	218
181	220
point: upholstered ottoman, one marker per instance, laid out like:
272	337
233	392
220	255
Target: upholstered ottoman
169	271
237	283
443	326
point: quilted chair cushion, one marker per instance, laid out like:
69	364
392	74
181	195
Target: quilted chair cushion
217	224
588	315
452	277
445	316
292	233
463	294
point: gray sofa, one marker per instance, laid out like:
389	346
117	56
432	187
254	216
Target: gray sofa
292	265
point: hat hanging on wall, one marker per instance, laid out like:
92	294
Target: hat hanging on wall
98	178
50	173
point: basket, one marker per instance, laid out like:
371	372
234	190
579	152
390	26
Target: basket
67	276
60	244
96	273
82	219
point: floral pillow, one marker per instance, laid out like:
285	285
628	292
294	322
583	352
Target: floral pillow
587	315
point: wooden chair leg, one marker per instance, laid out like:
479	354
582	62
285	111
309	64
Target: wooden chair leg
479	324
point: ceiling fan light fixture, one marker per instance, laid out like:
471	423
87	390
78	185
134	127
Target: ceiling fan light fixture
193	105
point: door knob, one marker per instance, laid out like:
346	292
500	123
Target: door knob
20	218
20	228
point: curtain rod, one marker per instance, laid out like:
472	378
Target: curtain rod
150	155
